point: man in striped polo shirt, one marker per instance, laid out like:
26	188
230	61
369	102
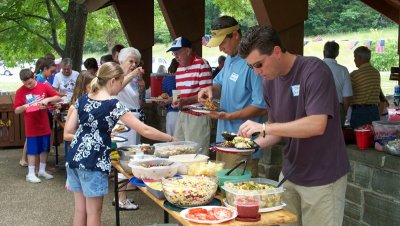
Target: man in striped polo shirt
193	74
366	83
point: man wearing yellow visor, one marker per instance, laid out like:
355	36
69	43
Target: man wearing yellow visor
238	88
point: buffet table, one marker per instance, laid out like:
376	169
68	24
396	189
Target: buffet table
270	218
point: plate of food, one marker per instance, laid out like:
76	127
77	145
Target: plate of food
237	144
120	128
209	214
161	98
208	107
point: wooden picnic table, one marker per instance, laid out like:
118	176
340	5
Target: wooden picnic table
270	218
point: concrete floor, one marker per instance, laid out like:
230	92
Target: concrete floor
48	203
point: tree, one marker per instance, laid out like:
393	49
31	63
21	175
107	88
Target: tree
103	31
31	29
333	16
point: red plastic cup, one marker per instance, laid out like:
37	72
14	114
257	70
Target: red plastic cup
363	137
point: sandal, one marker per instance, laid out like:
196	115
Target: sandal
23	163
128	205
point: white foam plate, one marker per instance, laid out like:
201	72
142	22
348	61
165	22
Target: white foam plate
185	211
217	147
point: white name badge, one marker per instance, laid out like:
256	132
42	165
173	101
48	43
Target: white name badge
296	90
234	77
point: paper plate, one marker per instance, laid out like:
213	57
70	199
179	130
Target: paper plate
126	129
118	139
155	99
233	214
218	147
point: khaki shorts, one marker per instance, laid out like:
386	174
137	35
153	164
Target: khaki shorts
318	205
194	128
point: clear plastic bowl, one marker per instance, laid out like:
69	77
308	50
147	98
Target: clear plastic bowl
151	169
385	131
164	150
188	191
270	197
234	176
209	168
187	160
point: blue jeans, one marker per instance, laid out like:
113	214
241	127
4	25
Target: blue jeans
90	183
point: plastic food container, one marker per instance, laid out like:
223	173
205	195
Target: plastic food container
209	168
234	176
393	147
154	168
269	196
164	150
135	149
385	131
188	191
186	160
124	162
247	207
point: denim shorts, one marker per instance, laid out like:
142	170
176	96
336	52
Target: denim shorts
90	183
37	145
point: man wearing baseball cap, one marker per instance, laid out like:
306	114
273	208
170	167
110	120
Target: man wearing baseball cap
193	74
238	88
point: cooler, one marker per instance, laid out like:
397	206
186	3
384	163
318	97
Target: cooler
156	84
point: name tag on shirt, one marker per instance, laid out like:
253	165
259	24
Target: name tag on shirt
296	90
234	77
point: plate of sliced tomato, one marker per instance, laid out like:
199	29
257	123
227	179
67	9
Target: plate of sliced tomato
208	214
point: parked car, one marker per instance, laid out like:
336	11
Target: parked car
158	63
4	70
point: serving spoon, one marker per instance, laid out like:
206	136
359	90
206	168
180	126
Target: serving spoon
286	176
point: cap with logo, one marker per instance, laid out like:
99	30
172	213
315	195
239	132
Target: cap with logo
178	43
217	36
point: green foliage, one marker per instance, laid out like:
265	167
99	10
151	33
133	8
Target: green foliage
103	31
24	27
384	61
211	13
161	32
240	9
332	16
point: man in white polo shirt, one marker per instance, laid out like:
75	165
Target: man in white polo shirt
341	77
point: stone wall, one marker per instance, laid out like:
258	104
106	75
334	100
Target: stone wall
270	165
373	190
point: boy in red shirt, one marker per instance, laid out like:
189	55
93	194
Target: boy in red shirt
32	99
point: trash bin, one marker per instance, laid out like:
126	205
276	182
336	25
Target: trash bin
12	126
156	84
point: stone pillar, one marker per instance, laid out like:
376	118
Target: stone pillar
270	164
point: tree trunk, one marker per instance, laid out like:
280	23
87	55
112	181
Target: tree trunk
75	33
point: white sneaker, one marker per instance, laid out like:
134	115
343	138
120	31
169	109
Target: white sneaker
127	205
32	178
45	175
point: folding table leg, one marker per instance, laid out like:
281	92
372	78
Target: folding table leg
166	217
116	195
